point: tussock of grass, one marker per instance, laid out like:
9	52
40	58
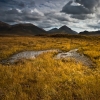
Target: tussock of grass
45	78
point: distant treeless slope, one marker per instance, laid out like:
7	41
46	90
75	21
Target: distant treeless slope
4	26
63	29
90	33
21	29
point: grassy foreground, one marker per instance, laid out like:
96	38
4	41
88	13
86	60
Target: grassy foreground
45	78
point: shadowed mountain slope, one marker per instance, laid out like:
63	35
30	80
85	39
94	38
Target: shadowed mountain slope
4	26
63	29
21	29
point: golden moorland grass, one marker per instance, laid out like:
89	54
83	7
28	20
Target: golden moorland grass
45	78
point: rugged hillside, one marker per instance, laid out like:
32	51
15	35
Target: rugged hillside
21	29
4	26
63	29
27	28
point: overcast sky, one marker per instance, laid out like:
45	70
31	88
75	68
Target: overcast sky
79	15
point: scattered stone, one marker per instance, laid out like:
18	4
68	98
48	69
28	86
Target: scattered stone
77	56
26	55
72	54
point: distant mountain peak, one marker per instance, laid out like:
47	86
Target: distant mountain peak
63	29
64	26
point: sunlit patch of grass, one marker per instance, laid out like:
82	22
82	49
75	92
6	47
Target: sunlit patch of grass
48	79
45	78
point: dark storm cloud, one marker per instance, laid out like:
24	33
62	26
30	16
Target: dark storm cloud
32	15
16	15
10	16
8	4
81	7
19	10
70	9
90	4
23	10
57	15
12	11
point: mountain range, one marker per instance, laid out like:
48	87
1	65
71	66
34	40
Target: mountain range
30	29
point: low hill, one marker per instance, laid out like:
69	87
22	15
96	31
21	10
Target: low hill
90	33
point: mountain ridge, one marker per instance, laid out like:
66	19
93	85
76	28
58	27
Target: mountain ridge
63	29
21	29
90	33
31	29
